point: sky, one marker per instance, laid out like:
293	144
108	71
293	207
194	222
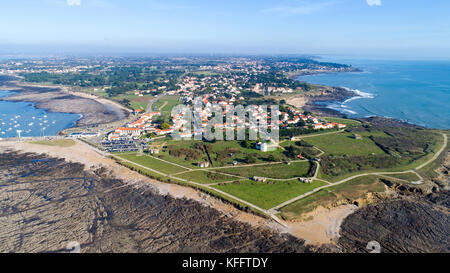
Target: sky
394	28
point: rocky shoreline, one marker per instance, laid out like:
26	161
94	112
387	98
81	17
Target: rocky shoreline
325	94
93	111
48	202
406	224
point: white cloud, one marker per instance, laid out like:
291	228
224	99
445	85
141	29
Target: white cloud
305	8
374	2
74	2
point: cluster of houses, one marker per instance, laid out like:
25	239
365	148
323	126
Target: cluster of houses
310	120
182	124
134	129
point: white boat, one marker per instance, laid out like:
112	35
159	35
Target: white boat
30	124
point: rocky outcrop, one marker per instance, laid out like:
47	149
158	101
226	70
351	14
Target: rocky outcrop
47	203
407	224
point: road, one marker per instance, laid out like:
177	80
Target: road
150	103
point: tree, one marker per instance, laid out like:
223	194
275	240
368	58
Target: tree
165	126
246	144
249	159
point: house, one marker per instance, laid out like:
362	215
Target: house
160	132
126	131
137	111
259	179
266	146
203	164
305	180
153	151
356	136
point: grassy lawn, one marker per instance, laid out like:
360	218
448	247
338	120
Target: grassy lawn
165	152
405	164
152	163
167	109
348	122
140	102
59	142
222	153
295	210
206	177
344	144
206	73
225	152
277	170
411	177
358	187
268	194
351	190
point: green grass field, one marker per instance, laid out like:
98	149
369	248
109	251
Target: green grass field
295	210
351	190
348	122
206	177
151	163
358	187
411	177
220	153
344	144
166	108
277	170
268	194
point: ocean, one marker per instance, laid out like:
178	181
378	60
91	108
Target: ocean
417	92
30	121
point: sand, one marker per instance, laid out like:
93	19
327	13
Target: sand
324	226
299	101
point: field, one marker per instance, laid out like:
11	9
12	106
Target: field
344	144
411	177
206	177
295	210
268	194
170	146
151	163
222	153
358	187
276	170
348	122
165	105
351	190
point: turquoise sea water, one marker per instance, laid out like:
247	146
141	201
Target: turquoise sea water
24	117
414	91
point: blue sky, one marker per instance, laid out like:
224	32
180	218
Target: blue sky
402	28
